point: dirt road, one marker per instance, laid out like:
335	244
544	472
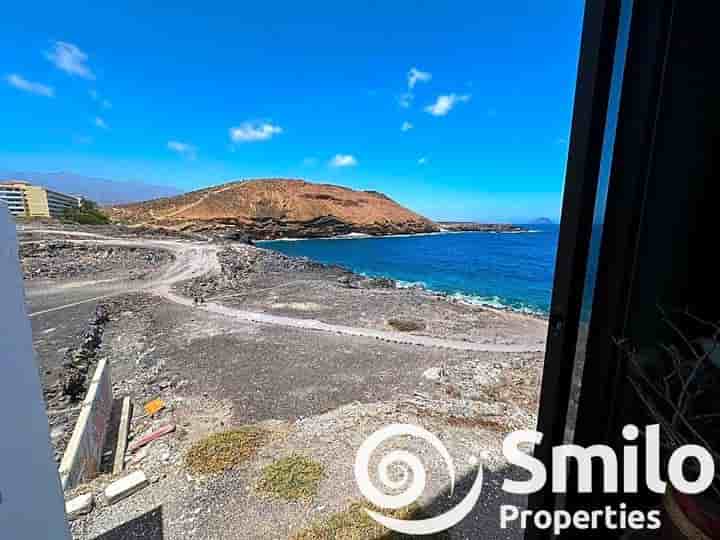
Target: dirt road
195	259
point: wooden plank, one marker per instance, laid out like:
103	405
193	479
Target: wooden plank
122	439
151	437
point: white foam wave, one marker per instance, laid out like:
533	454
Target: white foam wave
410	284
495	302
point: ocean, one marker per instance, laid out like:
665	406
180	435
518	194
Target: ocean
508	270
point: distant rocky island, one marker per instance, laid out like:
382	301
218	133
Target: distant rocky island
480	227
269	209
542	221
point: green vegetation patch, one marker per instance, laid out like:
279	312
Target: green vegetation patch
292	478
406	325
355	524
87	214
222	451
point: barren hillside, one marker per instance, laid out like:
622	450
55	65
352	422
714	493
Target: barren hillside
274	208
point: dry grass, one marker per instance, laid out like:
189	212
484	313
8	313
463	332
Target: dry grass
475	422
292	478
222	451
355	524
406	325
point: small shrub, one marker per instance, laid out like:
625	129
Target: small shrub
87	214
292	478
223	451
406	325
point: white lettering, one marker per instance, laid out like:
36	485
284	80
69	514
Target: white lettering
529	463
705	463
584	456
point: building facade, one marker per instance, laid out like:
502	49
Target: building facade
27	200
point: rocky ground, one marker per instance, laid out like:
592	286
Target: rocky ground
60	259
317	397
317	393
266	281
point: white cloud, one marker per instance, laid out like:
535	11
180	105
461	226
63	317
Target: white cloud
99	122
422	161
415	76
405	100
253	131
104	103
70	59
184	149
27	86
445	103
343	160
406	126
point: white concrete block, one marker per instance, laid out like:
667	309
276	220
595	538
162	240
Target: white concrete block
125	487
80	505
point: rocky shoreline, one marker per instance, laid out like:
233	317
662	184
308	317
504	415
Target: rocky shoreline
274	229
468	226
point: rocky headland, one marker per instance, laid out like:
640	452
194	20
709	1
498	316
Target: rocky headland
276	208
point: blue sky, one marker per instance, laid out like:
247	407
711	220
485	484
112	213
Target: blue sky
194	95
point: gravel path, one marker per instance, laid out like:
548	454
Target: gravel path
193	260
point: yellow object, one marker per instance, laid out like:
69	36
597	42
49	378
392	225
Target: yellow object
154	406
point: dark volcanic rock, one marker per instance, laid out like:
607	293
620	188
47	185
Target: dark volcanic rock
481	227
66	260
71	383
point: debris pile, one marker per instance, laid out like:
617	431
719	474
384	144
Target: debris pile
52	259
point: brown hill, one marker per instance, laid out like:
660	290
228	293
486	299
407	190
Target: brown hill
275	208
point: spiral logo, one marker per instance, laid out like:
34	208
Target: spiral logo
408	463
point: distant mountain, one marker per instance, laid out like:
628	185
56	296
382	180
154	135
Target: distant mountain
542	221
275	208
101	190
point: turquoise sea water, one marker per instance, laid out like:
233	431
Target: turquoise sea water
511	270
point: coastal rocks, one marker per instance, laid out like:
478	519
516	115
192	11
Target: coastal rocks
60	259
237	236
378	283
238	263
468	226
356	281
